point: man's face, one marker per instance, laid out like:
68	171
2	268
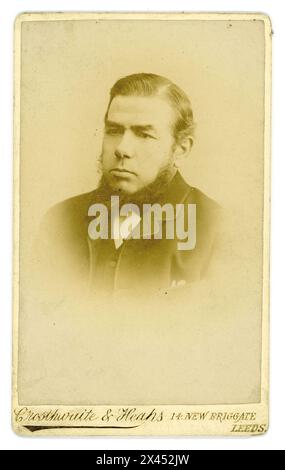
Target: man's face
138	142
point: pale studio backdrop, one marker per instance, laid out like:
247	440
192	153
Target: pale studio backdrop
210	351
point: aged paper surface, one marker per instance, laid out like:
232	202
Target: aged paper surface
141	224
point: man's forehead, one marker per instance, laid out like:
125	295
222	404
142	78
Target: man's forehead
140	110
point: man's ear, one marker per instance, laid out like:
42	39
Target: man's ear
182	150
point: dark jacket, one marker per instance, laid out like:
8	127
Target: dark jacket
139	265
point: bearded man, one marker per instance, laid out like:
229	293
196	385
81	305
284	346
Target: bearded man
148	131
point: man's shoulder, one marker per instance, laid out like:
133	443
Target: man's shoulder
63	229
75	204
209	216
206	206
71	209
202	199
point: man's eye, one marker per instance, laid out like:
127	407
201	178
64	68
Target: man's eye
113	131
143	135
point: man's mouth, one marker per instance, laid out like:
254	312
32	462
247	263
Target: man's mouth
122	171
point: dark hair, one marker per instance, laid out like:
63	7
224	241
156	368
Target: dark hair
149	84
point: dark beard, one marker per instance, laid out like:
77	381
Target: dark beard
150	194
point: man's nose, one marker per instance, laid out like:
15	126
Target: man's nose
125	148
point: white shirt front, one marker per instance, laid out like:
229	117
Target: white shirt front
123	227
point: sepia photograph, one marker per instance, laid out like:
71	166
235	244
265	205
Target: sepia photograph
141	223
